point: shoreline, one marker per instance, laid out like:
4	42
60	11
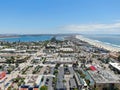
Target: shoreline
29	38
99	44
8	37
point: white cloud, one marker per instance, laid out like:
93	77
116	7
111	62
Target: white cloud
110	28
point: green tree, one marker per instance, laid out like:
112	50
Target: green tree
54	80
87	81
64	81
119	58
55	72
16	64
116	88
9	88
75	89
53	39
44	88
10	60
96	88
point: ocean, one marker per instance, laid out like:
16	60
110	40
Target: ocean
30	38
113	40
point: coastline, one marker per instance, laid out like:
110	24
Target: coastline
99	44
9	37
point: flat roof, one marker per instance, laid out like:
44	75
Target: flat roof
66	49
39	79
31	79
78	79
115	65
8	49
104	76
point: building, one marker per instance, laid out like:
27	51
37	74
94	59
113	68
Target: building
115	67
114	55
105	80
8	50
2	75
79	82
32	82
66	50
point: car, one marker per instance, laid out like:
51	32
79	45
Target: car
47	80
46	83
7	84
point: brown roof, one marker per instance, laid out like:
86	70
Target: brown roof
36	89
23	89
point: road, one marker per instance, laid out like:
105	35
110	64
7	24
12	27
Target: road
50	80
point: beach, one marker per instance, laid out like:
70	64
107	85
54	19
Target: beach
98	44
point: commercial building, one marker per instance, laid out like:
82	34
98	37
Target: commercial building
105	80
115	67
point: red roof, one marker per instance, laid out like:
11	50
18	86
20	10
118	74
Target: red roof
92	68
2	75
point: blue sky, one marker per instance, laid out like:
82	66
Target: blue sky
60	16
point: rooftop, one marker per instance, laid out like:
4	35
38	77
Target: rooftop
104	76
8	49
115	65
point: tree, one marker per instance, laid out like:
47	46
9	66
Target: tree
83	75
44	88
10	60
9	88
55	72
53	39
119	58
64	81
75	89
16	64
96	88
87	81
54	80
57	65
116	88
1	67
14	89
